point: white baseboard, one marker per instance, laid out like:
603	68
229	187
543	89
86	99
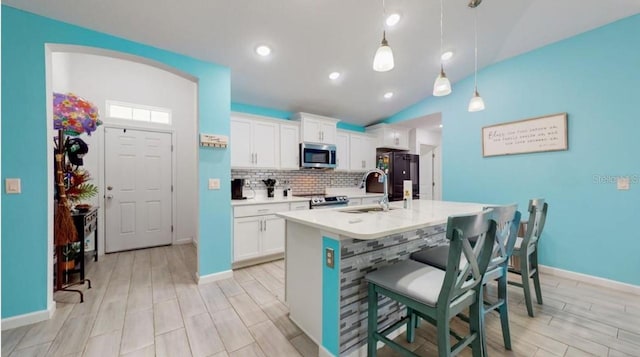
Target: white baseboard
183	241
27	319
209	278
607	283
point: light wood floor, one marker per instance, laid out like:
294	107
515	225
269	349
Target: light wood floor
146	303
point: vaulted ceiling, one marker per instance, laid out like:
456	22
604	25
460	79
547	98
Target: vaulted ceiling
310	39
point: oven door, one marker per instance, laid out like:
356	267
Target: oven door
317	156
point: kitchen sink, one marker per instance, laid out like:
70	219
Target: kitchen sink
366	210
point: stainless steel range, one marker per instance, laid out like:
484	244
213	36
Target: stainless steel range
321	201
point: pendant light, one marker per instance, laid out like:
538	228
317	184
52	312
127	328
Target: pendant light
441	86
383	59
476	103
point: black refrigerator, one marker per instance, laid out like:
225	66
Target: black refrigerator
399	167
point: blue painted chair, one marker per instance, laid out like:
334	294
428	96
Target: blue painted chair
525	253
437	295
507	219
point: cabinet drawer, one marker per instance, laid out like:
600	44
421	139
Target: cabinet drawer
299	206
257	210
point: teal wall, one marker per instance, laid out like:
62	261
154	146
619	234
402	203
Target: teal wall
280	114
24	151
594	77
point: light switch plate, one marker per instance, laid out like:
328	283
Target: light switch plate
13	186
623	183
214	184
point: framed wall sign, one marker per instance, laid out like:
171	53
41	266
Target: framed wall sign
547	133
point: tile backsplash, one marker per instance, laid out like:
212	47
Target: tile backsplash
302	182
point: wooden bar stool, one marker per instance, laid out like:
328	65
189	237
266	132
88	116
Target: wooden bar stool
525	253
437	295
507	219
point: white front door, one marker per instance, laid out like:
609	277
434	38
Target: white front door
138	183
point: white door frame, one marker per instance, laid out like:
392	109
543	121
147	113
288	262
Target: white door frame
102	169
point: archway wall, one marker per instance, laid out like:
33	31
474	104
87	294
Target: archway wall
26	218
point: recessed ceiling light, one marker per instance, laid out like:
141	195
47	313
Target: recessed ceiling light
263	50
392	19
334	75
440	125
446	56
388	95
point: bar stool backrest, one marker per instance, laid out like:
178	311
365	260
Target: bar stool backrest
507	222
537	217
462	276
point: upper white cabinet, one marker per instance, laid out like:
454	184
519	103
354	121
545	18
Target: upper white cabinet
362	155
289	146
254	143
342	151
390	136
317	129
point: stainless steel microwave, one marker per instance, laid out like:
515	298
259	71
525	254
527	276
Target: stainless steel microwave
317	156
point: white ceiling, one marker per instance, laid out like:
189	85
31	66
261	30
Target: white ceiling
311	38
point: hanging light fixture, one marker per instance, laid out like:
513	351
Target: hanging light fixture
441	86
383	59
476	103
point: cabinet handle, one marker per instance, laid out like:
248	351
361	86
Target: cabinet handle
256	158
322	132
263	210
260	225
265	225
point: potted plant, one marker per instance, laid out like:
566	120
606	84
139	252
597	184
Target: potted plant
69	254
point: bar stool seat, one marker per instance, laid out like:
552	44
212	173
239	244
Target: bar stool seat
412	279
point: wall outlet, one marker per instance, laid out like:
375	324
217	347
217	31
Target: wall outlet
329	257
623	183
13	186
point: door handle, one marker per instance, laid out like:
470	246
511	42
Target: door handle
109	197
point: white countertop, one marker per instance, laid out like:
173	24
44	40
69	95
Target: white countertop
373	225
262	200
261	196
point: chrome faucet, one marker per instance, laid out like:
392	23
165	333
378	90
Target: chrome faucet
384	201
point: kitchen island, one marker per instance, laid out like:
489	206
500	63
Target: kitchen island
328	253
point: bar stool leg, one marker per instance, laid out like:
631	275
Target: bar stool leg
372	321
526	286
536	277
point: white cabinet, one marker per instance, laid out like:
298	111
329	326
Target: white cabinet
258	232
272	240
362	152
317	129
390	136
289	146
257	236
247	234
342	151
254	143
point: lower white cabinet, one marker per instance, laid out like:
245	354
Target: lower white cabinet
257	236
258	232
